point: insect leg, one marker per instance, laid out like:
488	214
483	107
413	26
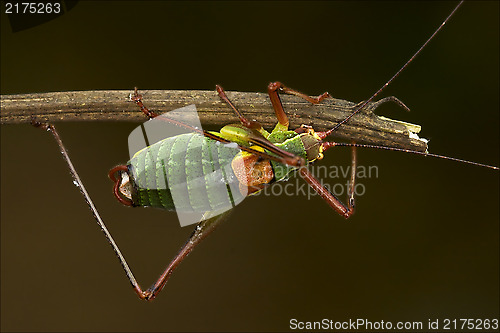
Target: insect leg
202	230
137	98
252	124
273	89
336	204
51	128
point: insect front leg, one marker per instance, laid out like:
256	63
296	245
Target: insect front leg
332	200
137	98
273	90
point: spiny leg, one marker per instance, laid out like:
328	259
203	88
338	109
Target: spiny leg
202	230
51	128
273	90
252	124
332	200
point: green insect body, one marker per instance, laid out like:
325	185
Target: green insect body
193	173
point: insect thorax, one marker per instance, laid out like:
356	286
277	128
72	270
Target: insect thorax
306	145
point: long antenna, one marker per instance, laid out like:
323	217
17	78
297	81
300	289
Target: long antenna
359	108
327	145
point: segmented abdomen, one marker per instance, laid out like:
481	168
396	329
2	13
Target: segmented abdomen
188	172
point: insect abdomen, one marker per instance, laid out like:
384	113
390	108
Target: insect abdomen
187	172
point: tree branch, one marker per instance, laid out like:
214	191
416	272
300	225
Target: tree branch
115	105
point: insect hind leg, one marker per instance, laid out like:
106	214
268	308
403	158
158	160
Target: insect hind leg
76	178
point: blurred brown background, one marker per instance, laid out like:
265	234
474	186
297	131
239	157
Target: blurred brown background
423	243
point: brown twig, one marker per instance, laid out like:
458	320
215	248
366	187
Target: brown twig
115	105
